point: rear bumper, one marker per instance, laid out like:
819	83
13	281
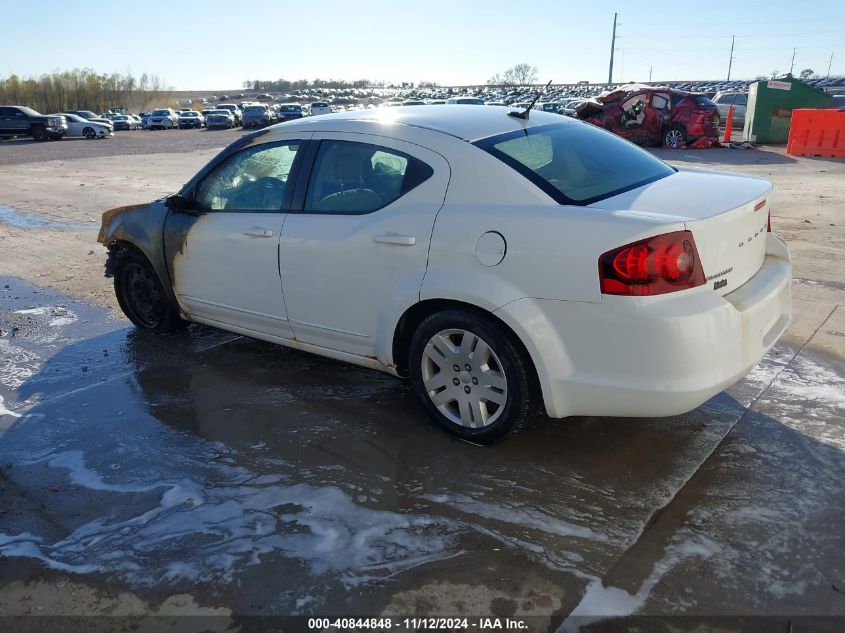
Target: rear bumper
656	356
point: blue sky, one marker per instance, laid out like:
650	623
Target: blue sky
214	44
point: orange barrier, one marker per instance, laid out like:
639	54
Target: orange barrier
817	133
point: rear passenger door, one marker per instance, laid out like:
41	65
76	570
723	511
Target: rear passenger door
356	240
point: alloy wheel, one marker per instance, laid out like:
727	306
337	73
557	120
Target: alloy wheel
674	139
464	378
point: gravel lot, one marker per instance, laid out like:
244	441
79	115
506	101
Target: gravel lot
208	473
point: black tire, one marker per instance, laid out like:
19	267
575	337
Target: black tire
39	133
142	297
89	133
675	136
513	365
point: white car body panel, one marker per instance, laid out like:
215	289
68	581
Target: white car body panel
345	312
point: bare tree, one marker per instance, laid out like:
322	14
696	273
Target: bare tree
807	73
495	80
521	74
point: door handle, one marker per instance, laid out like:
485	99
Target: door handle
396	239
258	233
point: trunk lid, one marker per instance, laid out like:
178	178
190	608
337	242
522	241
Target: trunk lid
727	214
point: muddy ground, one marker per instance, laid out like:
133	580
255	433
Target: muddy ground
211	474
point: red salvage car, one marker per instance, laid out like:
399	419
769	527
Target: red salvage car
653	116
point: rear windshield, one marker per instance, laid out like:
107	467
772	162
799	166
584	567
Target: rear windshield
161	113
576	163
254	108
291	108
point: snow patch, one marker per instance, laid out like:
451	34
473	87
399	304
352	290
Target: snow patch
5	411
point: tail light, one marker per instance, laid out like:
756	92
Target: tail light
653	266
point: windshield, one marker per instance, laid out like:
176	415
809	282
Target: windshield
190	114
576	163
291	108
161	113
254	108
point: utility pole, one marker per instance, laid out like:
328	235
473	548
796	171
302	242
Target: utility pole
612	47
828	66
731	58
649	74
792	63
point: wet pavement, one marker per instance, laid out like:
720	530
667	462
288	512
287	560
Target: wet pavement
270	481
28	220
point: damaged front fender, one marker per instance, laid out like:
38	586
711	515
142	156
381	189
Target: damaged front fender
140	226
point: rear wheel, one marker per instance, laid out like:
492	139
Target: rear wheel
470	375
675	137
142	297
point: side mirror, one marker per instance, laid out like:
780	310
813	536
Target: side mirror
177	202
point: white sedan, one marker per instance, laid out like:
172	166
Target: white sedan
79	127
501	263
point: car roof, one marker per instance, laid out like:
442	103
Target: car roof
469	124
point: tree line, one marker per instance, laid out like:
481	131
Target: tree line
83	89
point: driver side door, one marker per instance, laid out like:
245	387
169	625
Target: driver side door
223	249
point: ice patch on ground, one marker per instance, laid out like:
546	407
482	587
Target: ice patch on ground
218	529
601	602
58	315
5	411
517	513
16	365
809	397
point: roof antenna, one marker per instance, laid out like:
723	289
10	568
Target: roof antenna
524	113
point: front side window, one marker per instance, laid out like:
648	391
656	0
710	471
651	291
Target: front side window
354	178
576	163
254	179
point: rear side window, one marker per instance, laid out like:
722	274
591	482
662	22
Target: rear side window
703	101
355	178
576	163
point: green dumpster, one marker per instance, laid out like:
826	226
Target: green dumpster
770	105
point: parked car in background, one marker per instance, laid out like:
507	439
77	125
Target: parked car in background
217	119
464	101
125	122
320	107
164	118
77	127
257	115
23	121
87	114
739	100
548	106
290	111
237	114
570	107
483	211
653	116
191	119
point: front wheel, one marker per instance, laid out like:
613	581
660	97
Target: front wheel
142	297
470	375
675	137
39	133
89	133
